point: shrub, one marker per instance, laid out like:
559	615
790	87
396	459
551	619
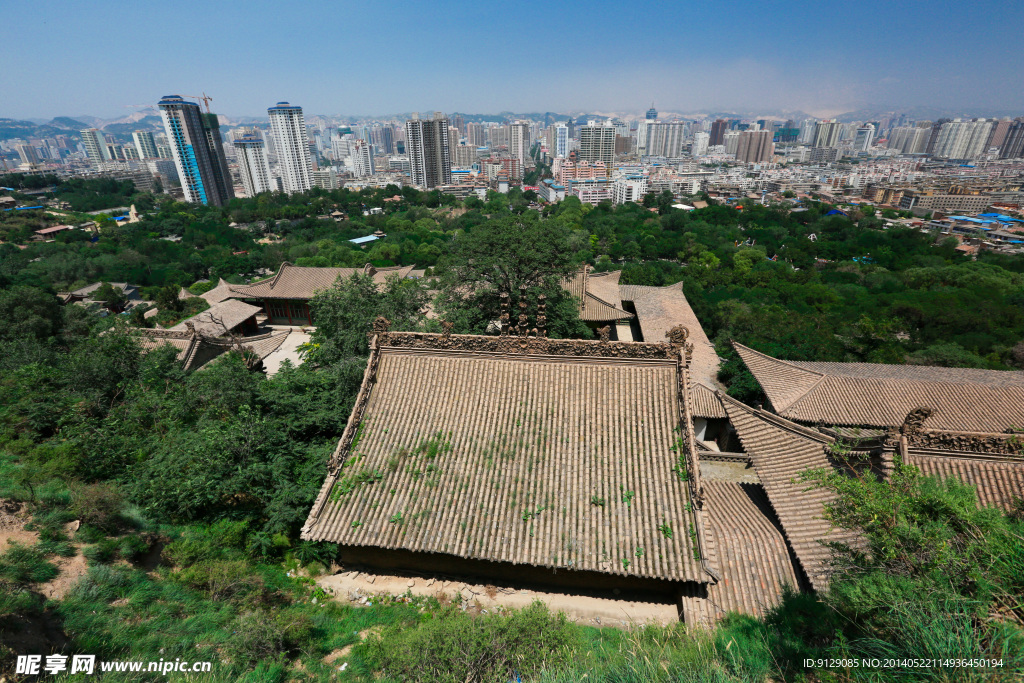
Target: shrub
98	505
207	543
132	547
104	582
15	599
451	646
261	636
89	534
220	579
53	541
308	552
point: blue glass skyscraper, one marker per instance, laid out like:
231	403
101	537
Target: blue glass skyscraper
198	151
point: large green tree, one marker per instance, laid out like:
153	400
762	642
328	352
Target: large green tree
506	255
344	312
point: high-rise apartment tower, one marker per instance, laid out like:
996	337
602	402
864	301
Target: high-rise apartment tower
597	143
198	151
291	143
426	143
252	164
95	146
145	144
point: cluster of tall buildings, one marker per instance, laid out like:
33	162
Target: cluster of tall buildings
197	147
593	158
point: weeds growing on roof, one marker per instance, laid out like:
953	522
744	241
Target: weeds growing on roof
627	496
349	483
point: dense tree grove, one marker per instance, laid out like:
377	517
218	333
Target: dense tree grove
215	470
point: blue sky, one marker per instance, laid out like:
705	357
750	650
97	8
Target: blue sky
373	58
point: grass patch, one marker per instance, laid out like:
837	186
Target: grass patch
21	564
450	646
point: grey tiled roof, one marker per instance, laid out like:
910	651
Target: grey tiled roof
751	552
219	319
298	282
870	395
999	482
781	451
533	439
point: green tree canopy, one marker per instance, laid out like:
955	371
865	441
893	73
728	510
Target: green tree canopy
505	255
344	313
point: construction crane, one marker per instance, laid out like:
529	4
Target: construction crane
205	98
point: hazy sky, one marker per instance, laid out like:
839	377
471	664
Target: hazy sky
73	57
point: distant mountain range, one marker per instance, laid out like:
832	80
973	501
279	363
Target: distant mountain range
122	128
923	113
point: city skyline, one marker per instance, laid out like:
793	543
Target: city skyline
794	57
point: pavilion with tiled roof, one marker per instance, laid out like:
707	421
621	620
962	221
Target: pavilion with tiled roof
753	559
875	395
991	462
864	407
285	296
195	349
223	318
220	292
521	452
658	309
598	297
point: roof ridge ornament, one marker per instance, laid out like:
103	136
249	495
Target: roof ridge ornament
505	320
542	316
913	423
381	326
677	339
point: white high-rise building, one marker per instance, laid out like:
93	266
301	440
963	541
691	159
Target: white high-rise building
465	156
731	140
807	128
145	144
95	146
959	139
28	155
341	148
864	137
700	144
291	142
629	189
519	140
476	136
252	165
908	139
664	139
641	136
361	158
597	143
326	178
826	133
562	141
